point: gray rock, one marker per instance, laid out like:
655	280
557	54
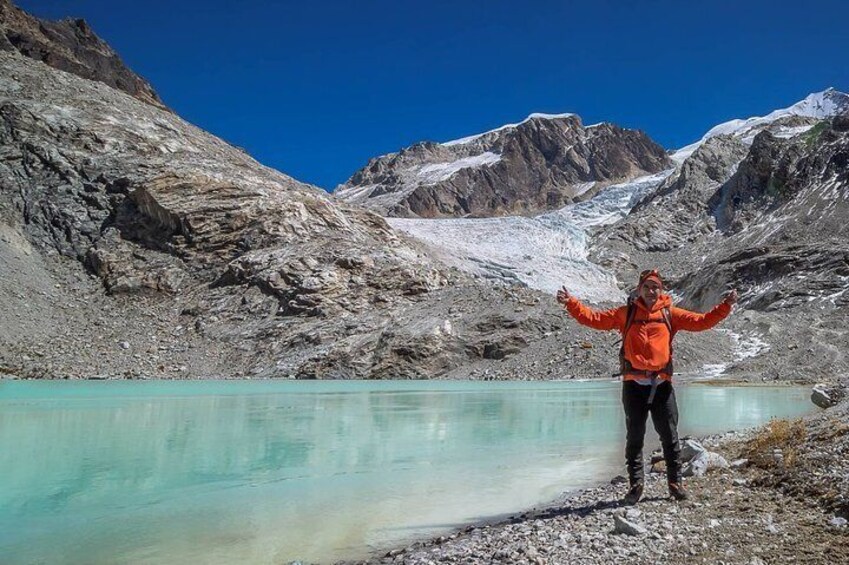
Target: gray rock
838	522
690	449
821	397
624	526
697	466
632	514
717	461
739	463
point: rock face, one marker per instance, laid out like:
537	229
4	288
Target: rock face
673	215
542	163
155	207
70	45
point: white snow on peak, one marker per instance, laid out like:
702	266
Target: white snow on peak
535	115
820	105
543	252
414	177
436	172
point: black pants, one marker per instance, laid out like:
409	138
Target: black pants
664	415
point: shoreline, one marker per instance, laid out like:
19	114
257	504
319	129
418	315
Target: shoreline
744	380
753	513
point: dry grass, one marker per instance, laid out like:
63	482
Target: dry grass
779	436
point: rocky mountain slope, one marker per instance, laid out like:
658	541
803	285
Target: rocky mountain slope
768	218
70	45
542	163
136	245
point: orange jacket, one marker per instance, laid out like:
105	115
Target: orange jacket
647	342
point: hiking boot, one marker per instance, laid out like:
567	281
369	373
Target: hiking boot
676	490
635	493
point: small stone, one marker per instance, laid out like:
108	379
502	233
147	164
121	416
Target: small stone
124	344
838	522
740	482
714	523
623	526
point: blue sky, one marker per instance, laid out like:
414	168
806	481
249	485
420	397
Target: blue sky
316	88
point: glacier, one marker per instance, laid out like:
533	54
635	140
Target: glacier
543	252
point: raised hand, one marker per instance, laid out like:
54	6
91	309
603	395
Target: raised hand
730	297
563	295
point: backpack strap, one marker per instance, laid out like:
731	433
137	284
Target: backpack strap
624	364
667	319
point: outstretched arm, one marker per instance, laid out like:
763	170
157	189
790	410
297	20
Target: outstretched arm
613	319
696	322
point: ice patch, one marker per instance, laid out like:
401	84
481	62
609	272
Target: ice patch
787	133
712	370
746	345
437	172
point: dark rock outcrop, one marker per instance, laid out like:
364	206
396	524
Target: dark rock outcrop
70	45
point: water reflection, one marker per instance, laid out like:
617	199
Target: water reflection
264	472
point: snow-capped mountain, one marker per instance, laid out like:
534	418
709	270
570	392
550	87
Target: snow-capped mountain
538	164
785	122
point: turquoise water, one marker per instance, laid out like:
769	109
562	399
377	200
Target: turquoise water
270	472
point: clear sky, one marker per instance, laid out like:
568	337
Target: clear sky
315	88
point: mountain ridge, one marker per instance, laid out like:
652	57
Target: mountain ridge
538	164
70	45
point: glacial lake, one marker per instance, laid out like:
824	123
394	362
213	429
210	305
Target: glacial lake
272	472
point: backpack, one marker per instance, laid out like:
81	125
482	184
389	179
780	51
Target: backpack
625	366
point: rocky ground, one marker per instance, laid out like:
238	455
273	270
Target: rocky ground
784	498
62	325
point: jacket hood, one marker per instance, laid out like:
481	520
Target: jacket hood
663	301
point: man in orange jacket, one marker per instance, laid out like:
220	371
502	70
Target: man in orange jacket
647	324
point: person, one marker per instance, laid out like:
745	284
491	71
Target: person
647	324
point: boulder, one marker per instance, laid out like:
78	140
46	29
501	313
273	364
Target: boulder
826	396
